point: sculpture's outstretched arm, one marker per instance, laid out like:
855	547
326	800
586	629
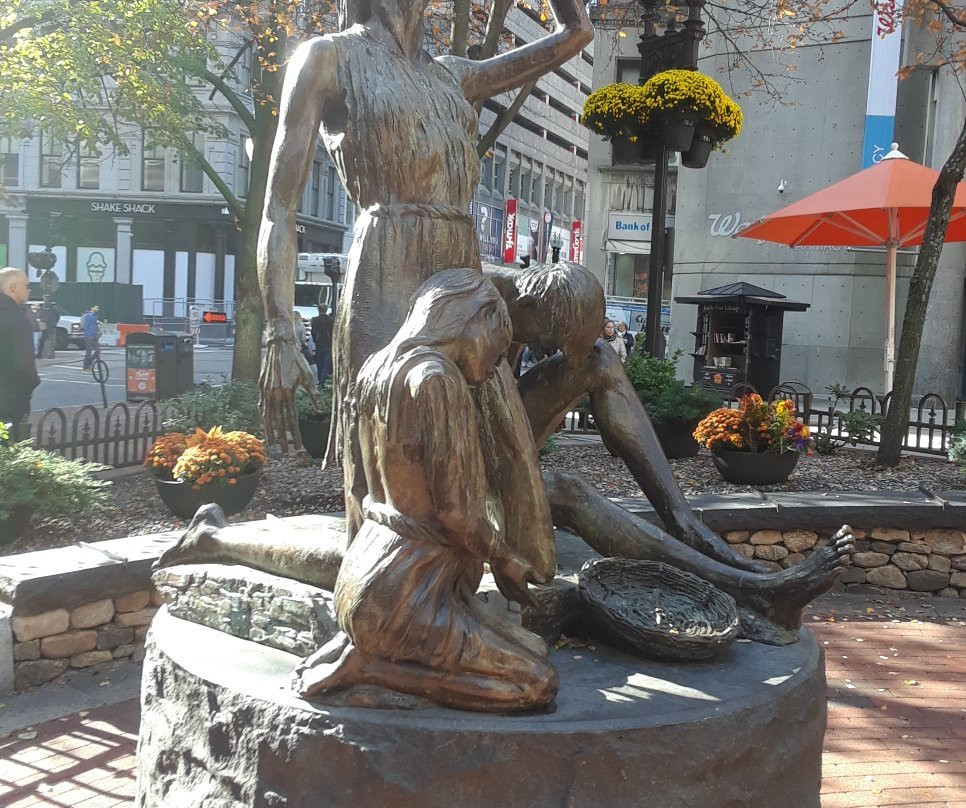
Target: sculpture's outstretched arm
488	77
311	77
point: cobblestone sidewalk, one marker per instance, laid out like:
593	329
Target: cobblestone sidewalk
896	730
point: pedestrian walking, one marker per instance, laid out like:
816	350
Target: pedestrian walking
18	365
321	327
36	325
92	335
627	336
51	316
610	337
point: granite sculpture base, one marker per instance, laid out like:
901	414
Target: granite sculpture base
220	727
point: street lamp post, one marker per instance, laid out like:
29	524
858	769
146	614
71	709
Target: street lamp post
675	48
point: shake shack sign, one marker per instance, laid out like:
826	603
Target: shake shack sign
144	208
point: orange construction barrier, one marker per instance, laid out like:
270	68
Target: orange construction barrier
123	329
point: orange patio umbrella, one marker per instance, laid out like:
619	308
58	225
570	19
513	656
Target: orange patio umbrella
886	205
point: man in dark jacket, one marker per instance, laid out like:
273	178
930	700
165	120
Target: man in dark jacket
322	337
18	368
51	316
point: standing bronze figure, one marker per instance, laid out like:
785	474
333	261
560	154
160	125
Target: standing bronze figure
401	128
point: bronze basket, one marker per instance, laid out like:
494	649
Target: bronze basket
656	610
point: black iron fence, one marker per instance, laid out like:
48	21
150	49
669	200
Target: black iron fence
121	434
930	425
118	436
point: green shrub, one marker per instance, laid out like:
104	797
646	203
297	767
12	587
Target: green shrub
48	484
663	395
232	405
307	411
957	444
551	446
853	427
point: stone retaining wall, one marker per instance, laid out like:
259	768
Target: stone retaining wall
78	607
930	561
46	645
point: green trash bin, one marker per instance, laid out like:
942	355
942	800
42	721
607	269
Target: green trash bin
151	365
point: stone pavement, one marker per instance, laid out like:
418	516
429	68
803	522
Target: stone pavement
896	731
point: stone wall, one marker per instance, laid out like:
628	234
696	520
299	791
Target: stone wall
46	645
930	561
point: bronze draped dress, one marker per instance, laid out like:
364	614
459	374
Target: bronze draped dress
403	138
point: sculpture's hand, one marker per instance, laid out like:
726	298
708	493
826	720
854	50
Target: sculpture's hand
511	573
284	371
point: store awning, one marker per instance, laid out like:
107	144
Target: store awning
628	247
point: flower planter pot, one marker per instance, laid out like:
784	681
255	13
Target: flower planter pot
678	131
754	468
697	156
626	151
315	435
15	524
183	500
676	438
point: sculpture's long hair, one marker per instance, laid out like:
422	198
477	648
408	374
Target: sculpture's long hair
439	312
575	301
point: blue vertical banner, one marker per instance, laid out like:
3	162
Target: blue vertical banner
880	108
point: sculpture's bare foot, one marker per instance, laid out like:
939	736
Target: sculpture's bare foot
199	542
336	665
781	597
284	372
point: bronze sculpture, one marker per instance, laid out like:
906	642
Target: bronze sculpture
401	128
404	595
462	484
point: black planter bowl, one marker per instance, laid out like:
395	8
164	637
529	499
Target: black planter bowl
15	524
754	468
676	437
315	435
678	131
183	500
697	156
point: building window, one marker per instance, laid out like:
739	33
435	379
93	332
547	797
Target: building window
579	201
152	164
486	172
192	175
330	194
243	166
9	162
514	186
499	179
525	185
316	197
51	160
548	193
88	166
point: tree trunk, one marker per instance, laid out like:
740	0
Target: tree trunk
896	422
249	308
249	311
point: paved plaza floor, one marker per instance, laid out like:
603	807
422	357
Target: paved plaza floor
896	723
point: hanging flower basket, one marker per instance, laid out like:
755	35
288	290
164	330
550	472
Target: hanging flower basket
617	112
677	130
679	98
701	147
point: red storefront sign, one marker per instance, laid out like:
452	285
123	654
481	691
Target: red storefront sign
510	232
576	241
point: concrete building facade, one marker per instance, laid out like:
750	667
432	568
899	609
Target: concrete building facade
537	170
800	146
150	217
